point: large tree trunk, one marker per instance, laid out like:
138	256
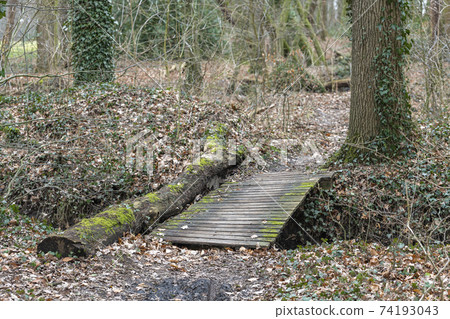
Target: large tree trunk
376	57
7	36
364	121
142	213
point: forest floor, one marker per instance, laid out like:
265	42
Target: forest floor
140	267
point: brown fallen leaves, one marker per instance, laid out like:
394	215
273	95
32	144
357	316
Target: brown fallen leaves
138	265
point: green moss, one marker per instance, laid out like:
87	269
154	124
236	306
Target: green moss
294	194
105	221
189	168
241	150
270	235
207	200
175	188
275	222
205	162
270	230
306	185
152	197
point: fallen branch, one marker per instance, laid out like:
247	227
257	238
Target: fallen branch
144	212
337	84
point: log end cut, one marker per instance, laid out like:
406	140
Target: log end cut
62	245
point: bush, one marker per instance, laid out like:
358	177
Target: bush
406	200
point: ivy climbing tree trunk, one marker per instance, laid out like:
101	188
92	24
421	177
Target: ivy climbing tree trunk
380	109
93	41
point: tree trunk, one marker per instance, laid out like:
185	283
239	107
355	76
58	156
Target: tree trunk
376	57
45	38
445	21
311	12
304	18
193	79
435	9
323	20
434	77
283	45
142	213
7	36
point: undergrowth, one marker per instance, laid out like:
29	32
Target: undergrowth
406	199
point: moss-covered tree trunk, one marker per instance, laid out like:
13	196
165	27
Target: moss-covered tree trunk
379	109
144	212
304	18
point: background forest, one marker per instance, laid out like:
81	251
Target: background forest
79	79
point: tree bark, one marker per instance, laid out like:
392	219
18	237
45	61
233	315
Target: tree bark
193	78
435	14
324	20
44	37
7	36
142	213
283	45
304	18
364	122
373	37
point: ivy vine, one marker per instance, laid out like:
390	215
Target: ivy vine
391	97
2	8
93	29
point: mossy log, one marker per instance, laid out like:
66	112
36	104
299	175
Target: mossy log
90	234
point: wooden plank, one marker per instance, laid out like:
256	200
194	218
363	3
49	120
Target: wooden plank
278	185
219	238
243	208
220	235
281	187
237	214
232	214
261	191
235	218
235	222
224	229
264	198
231	228
220	243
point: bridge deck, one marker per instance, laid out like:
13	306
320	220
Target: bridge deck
250	213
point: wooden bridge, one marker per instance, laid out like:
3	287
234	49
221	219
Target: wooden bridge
252	213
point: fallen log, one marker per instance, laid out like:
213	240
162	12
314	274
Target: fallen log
337	84
105	228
